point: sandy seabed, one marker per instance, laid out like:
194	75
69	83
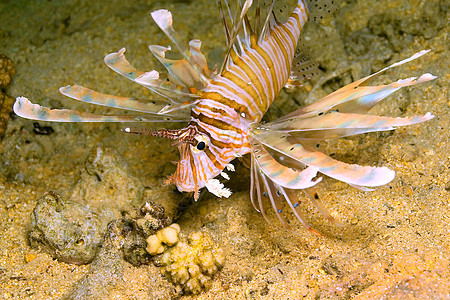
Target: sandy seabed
394	242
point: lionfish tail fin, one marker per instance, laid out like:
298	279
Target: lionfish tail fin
304	67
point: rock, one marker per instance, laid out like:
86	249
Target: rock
72	230
68	231
134	245
154	218
107	268
106	186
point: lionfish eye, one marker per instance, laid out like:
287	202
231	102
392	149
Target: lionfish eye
201	146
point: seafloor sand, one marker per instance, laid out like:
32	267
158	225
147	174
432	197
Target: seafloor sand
395	240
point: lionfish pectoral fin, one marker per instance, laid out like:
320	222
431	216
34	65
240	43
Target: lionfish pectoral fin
275	198
357	97
274	181
258	192
81	93
362	188
366	97
337	120
315	199
262	187
280	174
26	109
349	173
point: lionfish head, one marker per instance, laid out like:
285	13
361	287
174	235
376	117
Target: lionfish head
198	166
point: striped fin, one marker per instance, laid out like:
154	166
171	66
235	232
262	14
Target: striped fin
318	135
276	201
353	174
81	93
25	109
253	182
262	187
199	57
258	190
282	175
153	80
294	206
233	24
180	70
337	120
356	97
163	19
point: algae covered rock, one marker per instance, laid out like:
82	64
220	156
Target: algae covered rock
122	240
133	248
193	263
72	230
154	218
106	185
66	230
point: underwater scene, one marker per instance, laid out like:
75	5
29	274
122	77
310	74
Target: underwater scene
188	193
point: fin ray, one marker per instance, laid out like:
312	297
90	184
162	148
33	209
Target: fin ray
83	94
350	173
26	109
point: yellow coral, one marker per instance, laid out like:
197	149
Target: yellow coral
166	236
192	264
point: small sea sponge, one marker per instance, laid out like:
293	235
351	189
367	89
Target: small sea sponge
192	264
168	236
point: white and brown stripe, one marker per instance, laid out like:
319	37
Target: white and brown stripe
239	96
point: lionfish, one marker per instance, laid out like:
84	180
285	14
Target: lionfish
223	108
